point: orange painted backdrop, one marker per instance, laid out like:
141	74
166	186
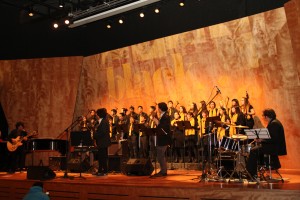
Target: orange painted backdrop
252	54
40	92
255	54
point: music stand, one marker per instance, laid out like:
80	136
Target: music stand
81	139
183	125
210	122
214	120
259	133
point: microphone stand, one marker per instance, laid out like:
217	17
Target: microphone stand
67	130
217	93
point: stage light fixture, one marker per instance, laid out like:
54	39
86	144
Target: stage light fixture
61	4
121	21
30	12
181	3
156	10
108	26
82	17
142	14
55	25
67	22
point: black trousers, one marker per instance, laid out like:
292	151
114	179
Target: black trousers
103	160
16	159
258	157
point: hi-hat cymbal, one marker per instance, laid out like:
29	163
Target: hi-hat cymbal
239	126
239	136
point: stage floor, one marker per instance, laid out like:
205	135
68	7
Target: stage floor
179	184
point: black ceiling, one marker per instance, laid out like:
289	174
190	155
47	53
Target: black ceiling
25	37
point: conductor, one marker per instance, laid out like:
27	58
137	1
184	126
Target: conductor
163	138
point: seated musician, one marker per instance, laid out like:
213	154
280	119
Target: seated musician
275	146
16	155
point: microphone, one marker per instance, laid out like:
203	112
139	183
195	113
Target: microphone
218	89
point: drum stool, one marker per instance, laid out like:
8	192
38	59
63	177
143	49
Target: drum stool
271	163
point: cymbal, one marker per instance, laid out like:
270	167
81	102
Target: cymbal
239	136
239	126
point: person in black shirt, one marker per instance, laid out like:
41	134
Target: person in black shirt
102	141
163	137
16	158
274	147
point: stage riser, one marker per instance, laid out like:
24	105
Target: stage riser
78	190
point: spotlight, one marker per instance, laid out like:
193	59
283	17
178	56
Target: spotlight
108	26
55	25
181	3
30	11
156	10
67	21
121	21
61	4
142	14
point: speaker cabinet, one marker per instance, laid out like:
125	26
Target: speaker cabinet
75	165
138	167
40	173
57	163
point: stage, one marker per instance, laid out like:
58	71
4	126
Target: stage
179	184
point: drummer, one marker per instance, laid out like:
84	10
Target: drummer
275	146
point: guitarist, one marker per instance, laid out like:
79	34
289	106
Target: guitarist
16	159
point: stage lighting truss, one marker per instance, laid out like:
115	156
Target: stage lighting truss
105	10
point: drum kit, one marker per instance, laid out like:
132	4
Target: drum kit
233	149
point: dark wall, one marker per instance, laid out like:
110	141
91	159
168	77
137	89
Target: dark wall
38	39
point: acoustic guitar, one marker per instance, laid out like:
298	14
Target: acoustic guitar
13	146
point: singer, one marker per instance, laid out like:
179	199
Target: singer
163	138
